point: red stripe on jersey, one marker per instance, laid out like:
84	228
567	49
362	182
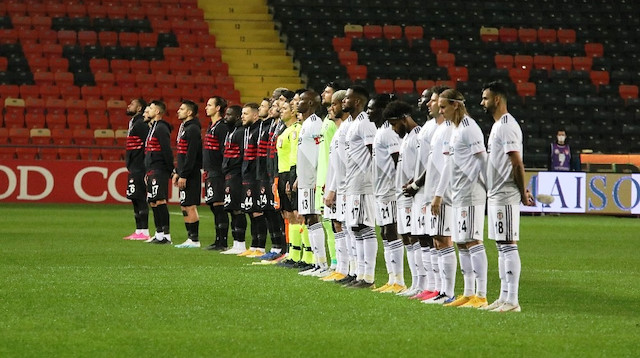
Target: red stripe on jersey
152	145
134	143
211	142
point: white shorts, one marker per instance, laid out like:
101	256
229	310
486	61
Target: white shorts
341	207
360	210
385	212
420	222
307	202
442	224
329	212
504	222
404	218
469	224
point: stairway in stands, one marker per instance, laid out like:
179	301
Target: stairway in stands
246	35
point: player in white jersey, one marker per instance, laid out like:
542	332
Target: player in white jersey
306	169
386	147
505	191
360	214
438	255
335	177
467	162
399	116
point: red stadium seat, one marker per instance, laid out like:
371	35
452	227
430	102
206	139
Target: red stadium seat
139	66
90	92
489	34
4	136
68	153
348	58
9	91
508	34
566	36
599	77
503	61
40	136
76	10
458	74
357	72
108	38
34	120
594	49
34	105
148	39
446	59
119	66
104	137
87	37
165	80
422	85
562	63
75	106
53	50
403	86
372	31
26	153
63	78
104	79
392	32
7	153
111	154
40	23
547	35
439	46
69	91
341	44
519	75
28	36
67	37
111	92
523	61
383	85
128	39
99	65
582	63
628	91
413	33
96	107
48	154
526	35
543	62
97	122
83	136
61	136
29	91
56	121
55	9
8	36
19	136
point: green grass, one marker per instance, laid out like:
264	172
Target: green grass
69	286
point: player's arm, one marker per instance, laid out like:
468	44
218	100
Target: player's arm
164	138
518	177
442	185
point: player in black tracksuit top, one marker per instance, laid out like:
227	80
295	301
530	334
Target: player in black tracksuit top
275	221
212	155
158	161
250	187
134	161
188	177
232	170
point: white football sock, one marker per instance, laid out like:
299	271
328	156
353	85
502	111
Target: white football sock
467	272
387	261
411	259
435	267
504	290
316	236
512	267
370	248
426	263
397	261
448	269
479	264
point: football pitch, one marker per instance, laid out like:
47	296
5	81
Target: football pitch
70	286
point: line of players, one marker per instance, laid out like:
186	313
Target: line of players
426	187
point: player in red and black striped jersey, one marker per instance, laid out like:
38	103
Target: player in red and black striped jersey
253	196
188	177
134	160
158	161
232	170
212	155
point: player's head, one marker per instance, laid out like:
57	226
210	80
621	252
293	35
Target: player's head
250	113
263	111
451	103
335	110
187	110
425	97
286	112
376	106
157	109
432	105
328	92
216	105
277	92
561	135
232	114
309	102
355	100
398	113
494	97
136	106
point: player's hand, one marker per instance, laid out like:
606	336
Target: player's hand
287	189
174	179
330	198
527	199
435	205
295	186
409	190
182	183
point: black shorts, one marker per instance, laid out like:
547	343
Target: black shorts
251	197
285	203
214	189
157	185
192	193
265	195
233	194
136	188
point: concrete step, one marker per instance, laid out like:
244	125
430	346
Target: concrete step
234	44
237	52
240	25
262	72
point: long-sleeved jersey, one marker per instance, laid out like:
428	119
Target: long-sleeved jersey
157	148
250	153
213	148
189	149
264	142
233	151
136	135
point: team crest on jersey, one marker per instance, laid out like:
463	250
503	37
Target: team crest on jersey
500	215
356	202
463	213
306	194
424	209
294	135
407	210
317	138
